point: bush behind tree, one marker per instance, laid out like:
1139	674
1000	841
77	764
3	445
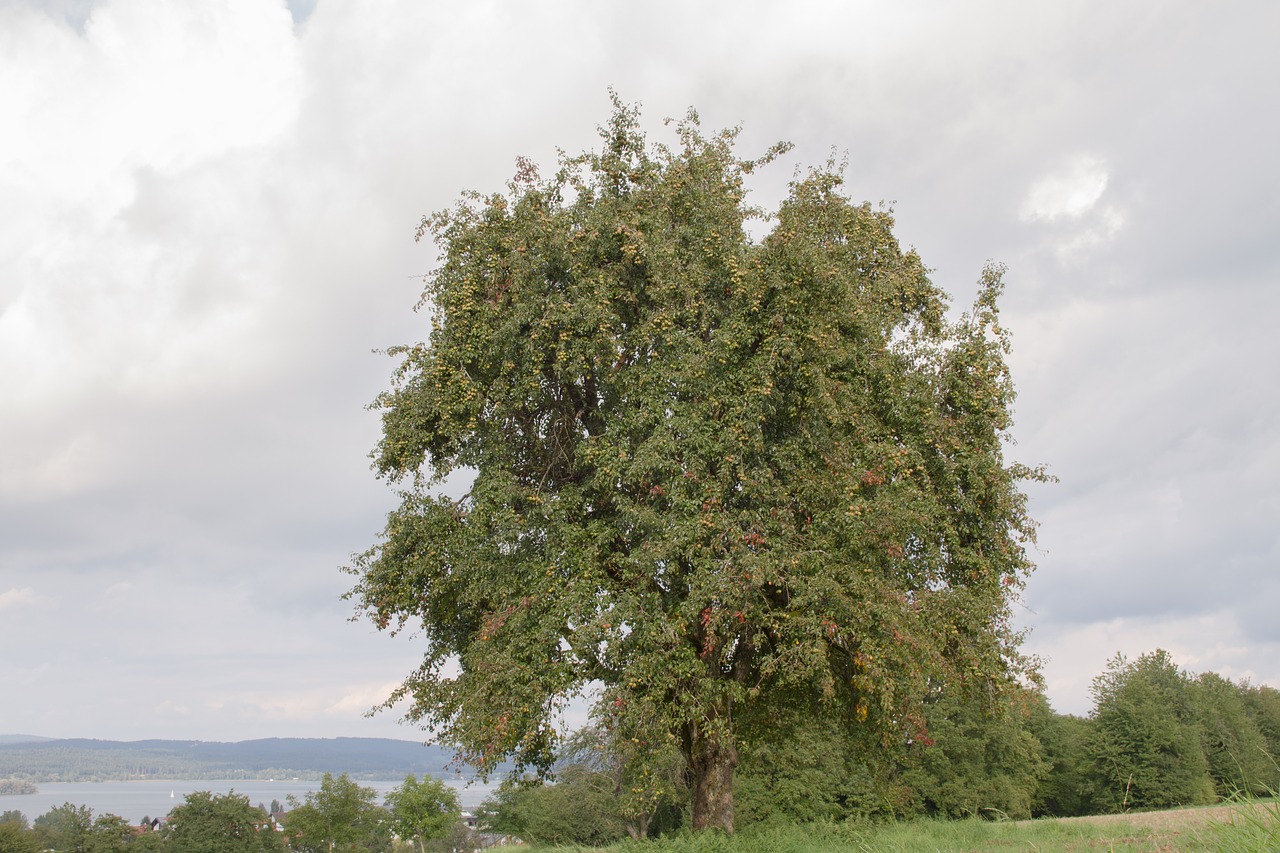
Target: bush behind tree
1066	789
980	758
1145	747
1234	745
579	807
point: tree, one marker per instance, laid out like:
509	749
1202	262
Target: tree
1233	743
341	816
712	476
579	808
808	771
980	759
64	828
1264	706
1064	791
219	823
15	835
144	841
423	810
110	834
1145	745
640	775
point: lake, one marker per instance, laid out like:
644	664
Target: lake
154	797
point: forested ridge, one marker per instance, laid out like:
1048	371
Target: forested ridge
80	759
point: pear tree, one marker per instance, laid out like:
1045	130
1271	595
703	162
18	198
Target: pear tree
716	477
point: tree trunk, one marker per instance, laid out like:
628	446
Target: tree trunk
712	758
638	829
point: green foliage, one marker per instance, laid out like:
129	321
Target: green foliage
65	828
1158	736
16	838
111	834
74	829
219	823
980	759
1145	747
579	808
340	817
811	770
1264	706
151	842
641	769
1232	741
718	477
423	810
1066	789
778	785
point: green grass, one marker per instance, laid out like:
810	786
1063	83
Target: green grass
1252	827
1243	827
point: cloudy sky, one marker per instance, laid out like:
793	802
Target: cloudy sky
206	219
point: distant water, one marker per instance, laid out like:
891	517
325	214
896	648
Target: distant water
151	798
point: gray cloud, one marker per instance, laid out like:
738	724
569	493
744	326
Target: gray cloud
207	230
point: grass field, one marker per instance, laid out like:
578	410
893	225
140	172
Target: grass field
1228	828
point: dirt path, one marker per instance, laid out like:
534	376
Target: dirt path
1174	820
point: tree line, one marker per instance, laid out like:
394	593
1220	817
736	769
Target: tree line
1158	737
341	817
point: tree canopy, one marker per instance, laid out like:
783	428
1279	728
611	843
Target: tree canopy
423	810
342	816
1145	744
220	823
715	477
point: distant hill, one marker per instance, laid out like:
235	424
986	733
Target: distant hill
71	760
20	738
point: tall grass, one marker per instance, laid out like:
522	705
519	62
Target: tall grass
924	836
1253	827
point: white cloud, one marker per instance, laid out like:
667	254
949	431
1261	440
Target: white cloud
1069	198
57	471
358	699
169	710
24	597
1067	193
1105	226
315	706
132	209
161	85
1207	642
147	94
206	226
